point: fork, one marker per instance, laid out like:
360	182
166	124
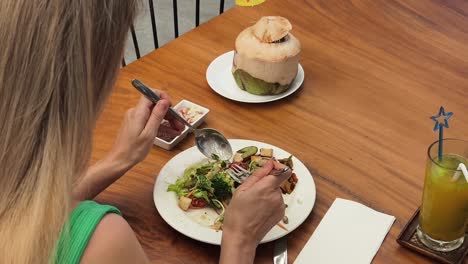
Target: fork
239	174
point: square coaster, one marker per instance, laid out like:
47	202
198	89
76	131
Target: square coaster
408	239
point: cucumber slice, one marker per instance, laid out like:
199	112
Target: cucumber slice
248	151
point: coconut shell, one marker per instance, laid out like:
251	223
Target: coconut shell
253	85
271	28
268	55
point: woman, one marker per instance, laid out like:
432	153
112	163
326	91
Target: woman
58	62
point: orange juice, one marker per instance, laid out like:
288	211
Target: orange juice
444	209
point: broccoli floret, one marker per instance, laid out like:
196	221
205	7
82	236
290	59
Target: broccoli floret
223	185
203	184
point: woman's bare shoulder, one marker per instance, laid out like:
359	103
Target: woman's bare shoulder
113	241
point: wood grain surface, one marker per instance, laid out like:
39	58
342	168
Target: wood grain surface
375	71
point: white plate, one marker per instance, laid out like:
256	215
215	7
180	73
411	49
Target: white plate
195	223
221	80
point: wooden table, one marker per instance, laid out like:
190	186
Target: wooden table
376	70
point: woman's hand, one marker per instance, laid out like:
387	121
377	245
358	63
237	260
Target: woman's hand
134	141
139	128
256	206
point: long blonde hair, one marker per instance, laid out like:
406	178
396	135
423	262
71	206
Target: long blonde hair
58	63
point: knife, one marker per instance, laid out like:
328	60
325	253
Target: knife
280	251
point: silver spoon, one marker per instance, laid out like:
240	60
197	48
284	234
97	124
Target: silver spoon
208	140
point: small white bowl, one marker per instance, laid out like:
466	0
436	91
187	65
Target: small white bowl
197	122
169	145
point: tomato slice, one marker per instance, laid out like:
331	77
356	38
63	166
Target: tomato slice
198	202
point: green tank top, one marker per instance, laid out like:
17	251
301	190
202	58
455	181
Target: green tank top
79	230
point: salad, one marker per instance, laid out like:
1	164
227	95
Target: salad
208	184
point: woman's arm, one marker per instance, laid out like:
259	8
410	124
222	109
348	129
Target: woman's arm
113	242
99	177
236	248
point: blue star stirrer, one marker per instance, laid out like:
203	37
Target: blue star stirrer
440	126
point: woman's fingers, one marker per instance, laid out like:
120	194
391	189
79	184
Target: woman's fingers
152	115
279	166
177	125
275	181
163	95
145	103
258	175
155	118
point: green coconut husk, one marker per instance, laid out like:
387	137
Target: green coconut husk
252	85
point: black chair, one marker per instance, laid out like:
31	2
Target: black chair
176	24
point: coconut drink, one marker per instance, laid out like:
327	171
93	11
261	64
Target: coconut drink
266	57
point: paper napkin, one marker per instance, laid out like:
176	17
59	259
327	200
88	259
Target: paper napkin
349	233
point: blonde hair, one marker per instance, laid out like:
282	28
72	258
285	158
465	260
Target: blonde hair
58	63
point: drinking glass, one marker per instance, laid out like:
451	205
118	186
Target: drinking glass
444	209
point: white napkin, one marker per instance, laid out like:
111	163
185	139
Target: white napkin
349	233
